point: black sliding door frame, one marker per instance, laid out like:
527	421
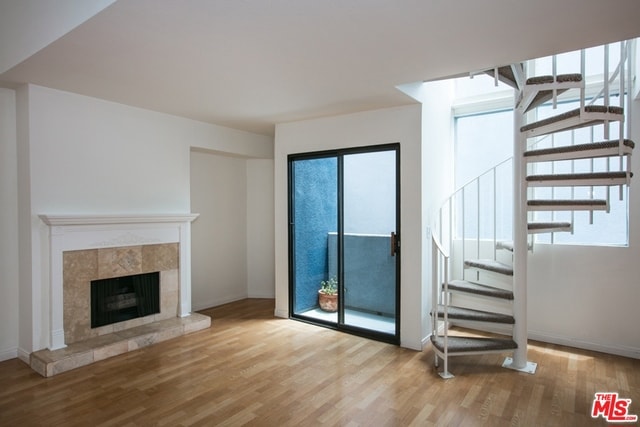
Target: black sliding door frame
339	155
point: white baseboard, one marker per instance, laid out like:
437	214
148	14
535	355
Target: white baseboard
262	295
412	345
204	304
25	356
9	353
281	313
631	352
426	340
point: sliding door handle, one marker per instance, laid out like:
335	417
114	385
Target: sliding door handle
395	243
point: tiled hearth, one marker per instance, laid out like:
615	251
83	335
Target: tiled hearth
52	362
87	248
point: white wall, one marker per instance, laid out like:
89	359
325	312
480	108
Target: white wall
8	226
219	235
232	239
403	125
84	155
585	297
260	231
437	171
25	325
90	156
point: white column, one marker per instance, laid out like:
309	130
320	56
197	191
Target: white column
519	244
520	248
185	269
56	337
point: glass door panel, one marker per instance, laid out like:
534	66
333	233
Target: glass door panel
369	247
314	219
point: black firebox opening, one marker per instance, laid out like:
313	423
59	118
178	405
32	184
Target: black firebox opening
123	298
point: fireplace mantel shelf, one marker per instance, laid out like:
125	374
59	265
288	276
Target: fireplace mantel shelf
70	220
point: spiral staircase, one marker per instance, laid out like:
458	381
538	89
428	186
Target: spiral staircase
495	299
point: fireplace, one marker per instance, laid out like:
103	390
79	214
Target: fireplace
88	247
91	248
124	298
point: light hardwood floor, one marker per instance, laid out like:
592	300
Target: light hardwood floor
250	368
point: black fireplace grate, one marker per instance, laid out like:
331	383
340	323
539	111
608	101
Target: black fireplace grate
118	299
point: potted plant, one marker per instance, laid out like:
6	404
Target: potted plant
328	295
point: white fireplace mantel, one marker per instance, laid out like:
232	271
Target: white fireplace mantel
70	220
79	232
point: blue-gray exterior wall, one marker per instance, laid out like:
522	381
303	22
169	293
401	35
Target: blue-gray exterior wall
370	272
315	215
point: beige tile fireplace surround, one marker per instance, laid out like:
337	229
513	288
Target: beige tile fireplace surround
86	248
83	266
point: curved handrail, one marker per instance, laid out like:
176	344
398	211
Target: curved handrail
438	245
471	181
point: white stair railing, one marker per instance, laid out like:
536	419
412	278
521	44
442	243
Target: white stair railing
483	204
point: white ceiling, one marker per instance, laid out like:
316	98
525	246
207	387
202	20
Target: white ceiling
249	64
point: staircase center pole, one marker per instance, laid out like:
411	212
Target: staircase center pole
519	241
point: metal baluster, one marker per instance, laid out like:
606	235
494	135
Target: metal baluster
451	226
446	373
573	169
464	217
553	189
554	66
495	214
606	88
584	77
478	226
435	262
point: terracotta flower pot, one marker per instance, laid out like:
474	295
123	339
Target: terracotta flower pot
328	302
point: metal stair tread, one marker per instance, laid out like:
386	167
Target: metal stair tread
560	202
479	289
460	313
505	75
567	204
540	96
581	149
612	175
490	265
548	227
560	78
458	344
572	114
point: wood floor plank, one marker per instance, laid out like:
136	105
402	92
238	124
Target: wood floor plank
253	369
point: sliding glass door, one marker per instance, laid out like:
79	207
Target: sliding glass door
344	228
